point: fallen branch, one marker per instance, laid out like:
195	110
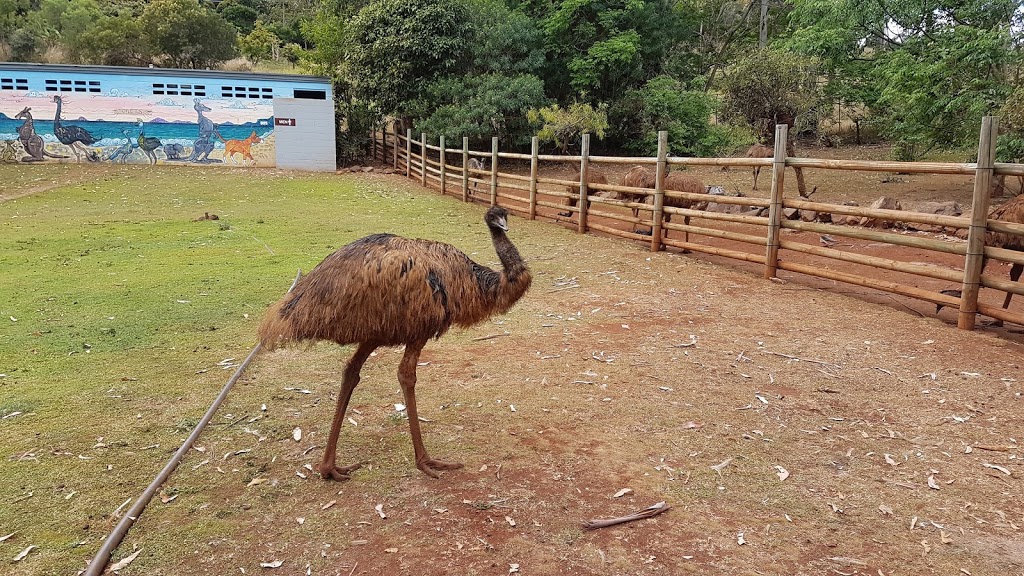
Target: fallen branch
648	512
490	337
797	358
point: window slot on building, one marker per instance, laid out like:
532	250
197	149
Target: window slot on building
13	84
311	94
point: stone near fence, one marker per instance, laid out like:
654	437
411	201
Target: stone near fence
790	213
368	169
883	203
808	215
942	208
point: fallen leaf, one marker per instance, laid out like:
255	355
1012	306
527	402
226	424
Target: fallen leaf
740	540
885	509
274	564
379	508
510	521
782	473
165	498
889	460
932	483
927	548
945	537
622	492
913	522
997	467
21	555
718	467
391	550
329	504
124	562
256	481
513	568
691	425
297	434
300	520
2	538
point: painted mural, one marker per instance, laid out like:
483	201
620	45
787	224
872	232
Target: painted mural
126	123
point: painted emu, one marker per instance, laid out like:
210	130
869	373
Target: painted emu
385	290
594	176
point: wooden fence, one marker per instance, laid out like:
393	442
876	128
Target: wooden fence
529	195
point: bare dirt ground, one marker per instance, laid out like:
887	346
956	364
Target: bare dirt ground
794	428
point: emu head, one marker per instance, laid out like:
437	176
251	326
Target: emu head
497	218
58	99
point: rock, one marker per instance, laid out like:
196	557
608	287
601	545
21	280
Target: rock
368	169
808	215
942	208
388	171
355	168
883	203
790	213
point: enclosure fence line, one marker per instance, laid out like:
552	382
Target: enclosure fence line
532	197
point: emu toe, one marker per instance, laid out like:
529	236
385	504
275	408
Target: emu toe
429	466
337	473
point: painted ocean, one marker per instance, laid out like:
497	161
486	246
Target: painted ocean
110	133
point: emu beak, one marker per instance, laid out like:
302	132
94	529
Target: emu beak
502	224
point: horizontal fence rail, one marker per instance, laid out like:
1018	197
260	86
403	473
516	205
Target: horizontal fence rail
665	218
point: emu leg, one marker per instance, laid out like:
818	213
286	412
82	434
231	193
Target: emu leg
327	468
1015	272
407	379
757	172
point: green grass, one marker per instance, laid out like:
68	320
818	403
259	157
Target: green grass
115	308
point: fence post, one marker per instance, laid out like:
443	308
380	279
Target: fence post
494	171
975	259
534	145
771	263
442	156
423	159
659	191
465	168
408	152
394	142
584	164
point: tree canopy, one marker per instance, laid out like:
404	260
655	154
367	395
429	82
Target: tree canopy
918	73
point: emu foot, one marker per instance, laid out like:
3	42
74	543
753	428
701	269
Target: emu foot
565	214
642	232
338	473
429	466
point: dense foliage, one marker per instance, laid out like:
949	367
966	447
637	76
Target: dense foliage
918	73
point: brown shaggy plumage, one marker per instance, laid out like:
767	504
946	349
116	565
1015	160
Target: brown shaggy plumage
594	176
1012	211
638	177
385	290
759	151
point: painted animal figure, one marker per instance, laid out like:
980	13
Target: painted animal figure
594	176
75	137
148	144
243	147
30	141
122	152
203	145
174	151
759	151
9	154
385	290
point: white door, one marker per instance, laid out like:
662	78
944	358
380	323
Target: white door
304	134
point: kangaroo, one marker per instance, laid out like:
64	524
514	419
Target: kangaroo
243	147
202	146
32	142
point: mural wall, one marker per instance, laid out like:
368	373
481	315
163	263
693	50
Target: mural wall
135	119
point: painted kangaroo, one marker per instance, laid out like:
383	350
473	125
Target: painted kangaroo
203	145
32	142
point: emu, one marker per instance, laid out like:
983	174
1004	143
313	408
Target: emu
385	290
594	176
759	151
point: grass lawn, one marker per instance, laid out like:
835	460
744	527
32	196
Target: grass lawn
117	307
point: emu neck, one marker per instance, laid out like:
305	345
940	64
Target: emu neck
511	261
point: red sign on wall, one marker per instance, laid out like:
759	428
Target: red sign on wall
284	121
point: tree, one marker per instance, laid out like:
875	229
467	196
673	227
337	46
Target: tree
186	34
565	126
770	87
663	103
115	41
259	44
243	14
399	46
24	45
